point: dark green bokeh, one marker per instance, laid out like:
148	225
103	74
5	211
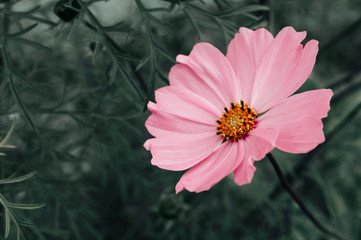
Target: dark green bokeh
81	107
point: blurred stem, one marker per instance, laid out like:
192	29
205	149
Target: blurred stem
351	76
340	36
298	200
5	25
346	92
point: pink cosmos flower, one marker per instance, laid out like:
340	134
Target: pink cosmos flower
220	113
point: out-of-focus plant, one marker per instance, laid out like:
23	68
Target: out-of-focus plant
79	74
9	208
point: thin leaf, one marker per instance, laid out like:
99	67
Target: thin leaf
152	80
158	9
25	206
17	179
112	73
7	222
78	120
32	10
195	26
12	216
161	24
162	77
75	25
27	15
114	27
8	146
127	57
25	30
4	82
143	62
12	175
15	220
123	29
22	78
27	224
201	10
98	47
351	88
164	53
94	1
243	10
147	18
31	44
221	4
40	20
21	104
6	58
253	17
7	215
71	7
6	138
226	36
129	79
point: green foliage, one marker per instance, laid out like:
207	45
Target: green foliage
77	76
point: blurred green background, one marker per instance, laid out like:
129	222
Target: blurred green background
76	77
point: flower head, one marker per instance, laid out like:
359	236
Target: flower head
220	113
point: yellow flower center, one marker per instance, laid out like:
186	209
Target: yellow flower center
236	122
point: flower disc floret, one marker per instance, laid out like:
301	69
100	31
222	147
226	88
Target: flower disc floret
236	122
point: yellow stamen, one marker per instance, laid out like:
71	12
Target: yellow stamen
236	122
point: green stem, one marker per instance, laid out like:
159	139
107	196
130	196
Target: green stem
298	200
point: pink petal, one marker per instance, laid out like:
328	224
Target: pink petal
259	142
183	103
302	71
183	76
284	68
207	73
245	52
212	169
184	126
161	123
298	119
182	151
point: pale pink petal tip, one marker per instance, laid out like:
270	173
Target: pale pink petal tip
179	187
291	30
244	173
147	144
181	58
